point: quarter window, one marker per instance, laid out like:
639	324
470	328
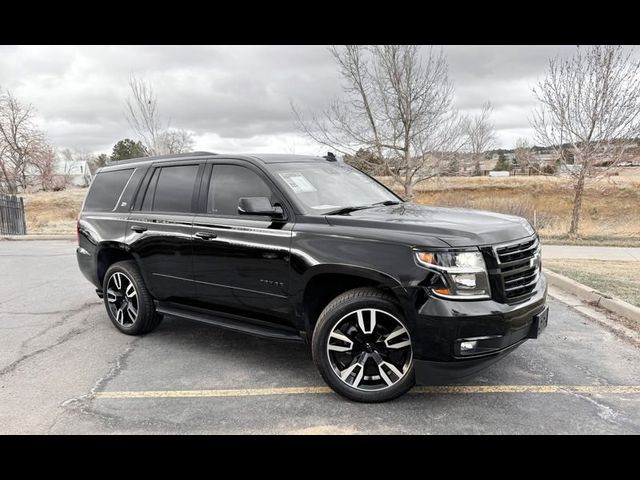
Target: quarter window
106	189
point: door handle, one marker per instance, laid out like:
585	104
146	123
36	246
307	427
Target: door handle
138	228
206	235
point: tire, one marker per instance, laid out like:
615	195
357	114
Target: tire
125	292
354	345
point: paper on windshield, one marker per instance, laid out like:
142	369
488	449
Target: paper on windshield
298	182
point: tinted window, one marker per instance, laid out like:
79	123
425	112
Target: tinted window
173	189
230	183
106	189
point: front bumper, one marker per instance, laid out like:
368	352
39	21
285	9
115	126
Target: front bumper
440	326
434	373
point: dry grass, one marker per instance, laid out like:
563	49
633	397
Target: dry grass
53	212
610	214
617	279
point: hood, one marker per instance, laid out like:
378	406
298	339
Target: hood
458	227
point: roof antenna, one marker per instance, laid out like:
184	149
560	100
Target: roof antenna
330	157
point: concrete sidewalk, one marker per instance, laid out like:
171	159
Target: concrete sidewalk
23	238
625	254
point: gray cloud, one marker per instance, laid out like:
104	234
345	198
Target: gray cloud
232	97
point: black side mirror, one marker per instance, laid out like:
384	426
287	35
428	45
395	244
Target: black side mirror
259	206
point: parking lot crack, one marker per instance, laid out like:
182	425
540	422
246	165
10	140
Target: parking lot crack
118	364
603	411
24	357
82	403
67	314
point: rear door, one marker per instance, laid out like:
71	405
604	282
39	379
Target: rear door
160	229
241	262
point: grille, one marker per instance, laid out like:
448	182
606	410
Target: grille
518	268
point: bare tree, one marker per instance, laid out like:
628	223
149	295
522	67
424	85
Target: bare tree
589	112
20	142
480	134
144	118
525	157
176	141
44	164
142	114
399	106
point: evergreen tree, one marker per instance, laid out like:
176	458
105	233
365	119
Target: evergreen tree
126	149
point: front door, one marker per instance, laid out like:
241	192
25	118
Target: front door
241	263
160	230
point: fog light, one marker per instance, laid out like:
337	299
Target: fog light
468	346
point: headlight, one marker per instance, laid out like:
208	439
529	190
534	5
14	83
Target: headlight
462	275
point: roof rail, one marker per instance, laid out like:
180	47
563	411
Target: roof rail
175	156
178	155
202	153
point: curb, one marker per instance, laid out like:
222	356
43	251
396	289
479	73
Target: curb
22	238
592	296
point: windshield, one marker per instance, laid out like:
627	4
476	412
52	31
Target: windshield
327	186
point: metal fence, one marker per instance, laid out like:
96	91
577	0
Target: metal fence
12	219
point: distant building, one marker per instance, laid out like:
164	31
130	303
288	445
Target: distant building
78	174
511	156
545	158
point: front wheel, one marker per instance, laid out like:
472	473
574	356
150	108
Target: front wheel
128	302
362	347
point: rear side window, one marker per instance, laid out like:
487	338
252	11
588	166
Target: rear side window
106	189
171	189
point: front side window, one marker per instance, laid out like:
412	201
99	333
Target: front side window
326	186
230	183
173	189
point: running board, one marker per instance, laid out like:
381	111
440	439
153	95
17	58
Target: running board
230	322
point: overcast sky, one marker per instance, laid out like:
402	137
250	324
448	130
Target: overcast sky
236	98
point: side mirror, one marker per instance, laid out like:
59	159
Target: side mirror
259	206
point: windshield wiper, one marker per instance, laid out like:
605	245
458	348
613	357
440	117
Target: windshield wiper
343	210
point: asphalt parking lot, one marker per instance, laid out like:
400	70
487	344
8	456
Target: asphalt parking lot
65	369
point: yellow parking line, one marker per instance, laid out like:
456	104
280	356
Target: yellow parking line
241	392
448	389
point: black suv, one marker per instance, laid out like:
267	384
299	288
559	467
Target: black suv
305	248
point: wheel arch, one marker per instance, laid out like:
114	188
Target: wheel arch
109	253
323	283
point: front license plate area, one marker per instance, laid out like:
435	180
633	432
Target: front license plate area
539	323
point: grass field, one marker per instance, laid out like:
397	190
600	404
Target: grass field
611	209
53	212
617	279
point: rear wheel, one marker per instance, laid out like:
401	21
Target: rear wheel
362	346
128	302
